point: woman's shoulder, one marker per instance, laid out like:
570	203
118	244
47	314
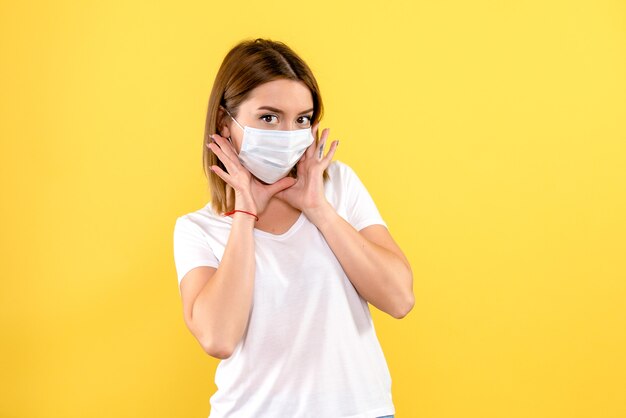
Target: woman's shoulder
201	217
340	170
340	181
342	176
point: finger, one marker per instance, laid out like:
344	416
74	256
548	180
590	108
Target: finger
320	149
331	152
311	149
226	146
281	185
310	152
221	173
228	163
314	129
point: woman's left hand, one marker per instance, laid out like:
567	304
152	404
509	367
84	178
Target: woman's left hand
307	193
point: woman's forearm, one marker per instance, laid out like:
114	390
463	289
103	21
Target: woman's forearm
380	276
222	308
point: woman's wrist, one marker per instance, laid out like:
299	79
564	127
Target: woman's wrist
245	202
244	217
321	214
232	212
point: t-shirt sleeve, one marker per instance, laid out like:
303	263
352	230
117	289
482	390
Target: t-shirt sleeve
360	208
191	248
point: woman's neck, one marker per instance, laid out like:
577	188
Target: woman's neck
278	217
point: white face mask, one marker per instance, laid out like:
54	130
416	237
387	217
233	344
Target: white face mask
271	154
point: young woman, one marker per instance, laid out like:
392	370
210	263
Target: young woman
276	271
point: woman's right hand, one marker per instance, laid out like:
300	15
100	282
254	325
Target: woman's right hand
250	194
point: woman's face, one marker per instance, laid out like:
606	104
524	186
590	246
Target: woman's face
279	104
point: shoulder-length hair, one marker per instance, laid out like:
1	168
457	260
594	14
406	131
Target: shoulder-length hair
246	66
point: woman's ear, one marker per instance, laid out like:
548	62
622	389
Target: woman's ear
223	129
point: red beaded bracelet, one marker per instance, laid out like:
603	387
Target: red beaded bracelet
242	211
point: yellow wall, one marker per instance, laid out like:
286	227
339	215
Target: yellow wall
491	134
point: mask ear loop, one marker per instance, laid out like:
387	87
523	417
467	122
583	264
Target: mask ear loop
235	120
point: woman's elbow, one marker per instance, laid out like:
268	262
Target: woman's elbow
409	300
405	308
217	351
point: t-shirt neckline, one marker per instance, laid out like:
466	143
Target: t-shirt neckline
292	229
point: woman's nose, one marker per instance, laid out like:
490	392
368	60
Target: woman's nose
286	126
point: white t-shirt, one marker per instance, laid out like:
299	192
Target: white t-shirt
310	348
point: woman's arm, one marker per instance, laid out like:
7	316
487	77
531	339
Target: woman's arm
217	302
371	259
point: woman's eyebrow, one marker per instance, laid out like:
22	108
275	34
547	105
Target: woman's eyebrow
273	109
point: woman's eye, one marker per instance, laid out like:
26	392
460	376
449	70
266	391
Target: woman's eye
304	119
265	118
